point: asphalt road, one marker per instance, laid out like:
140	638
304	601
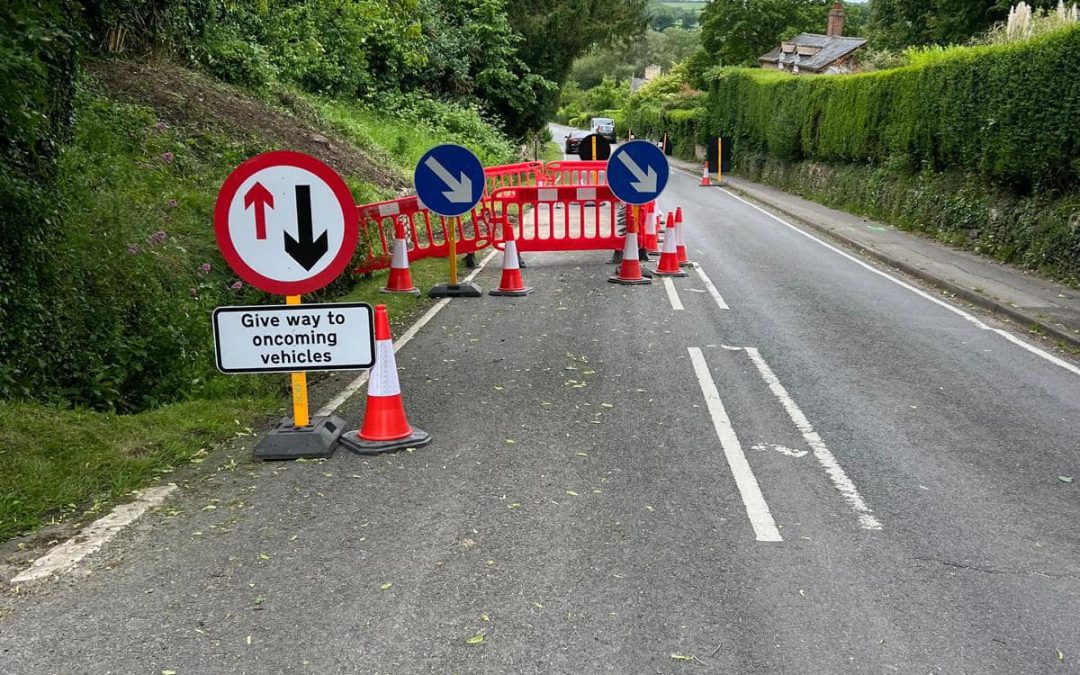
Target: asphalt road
833	474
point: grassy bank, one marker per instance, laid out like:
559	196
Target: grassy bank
106	372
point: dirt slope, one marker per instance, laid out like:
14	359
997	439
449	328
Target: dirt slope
187	98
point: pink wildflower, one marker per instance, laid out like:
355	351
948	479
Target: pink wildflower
167	157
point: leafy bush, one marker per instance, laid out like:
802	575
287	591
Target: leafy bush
228	57
113	311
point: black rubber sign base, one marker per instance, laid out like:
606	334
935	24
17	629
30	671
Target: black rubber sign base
286	441
466	290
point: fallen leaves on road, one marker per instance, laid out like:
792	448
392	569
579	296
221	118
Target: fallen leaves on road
1065	479
683	657
386	586
476	639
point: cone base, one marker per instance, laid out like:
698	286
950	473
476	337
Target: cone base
351	441
687	263
286	441
680	273
643	281
512	293
654	252
411	291
467	290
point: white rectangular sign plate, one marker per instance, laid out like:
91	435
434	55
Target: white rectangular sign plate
294	338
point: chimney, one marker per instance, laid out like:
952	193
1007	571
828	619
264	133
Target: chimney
836	20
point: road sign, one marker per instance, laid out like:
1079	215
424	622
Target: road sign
449	180
286	223
594	147
637	172
279	338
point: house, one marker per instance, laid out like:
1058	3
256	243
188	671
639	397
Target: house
651	73
810	53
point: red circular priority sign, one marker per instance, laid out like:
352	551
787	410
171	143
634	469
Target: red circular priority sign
286	223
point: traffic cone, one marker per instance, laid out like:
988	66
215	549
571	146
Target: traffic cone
400	281
669	258
512	284
385	427
630	268
680	242
704	175
652	239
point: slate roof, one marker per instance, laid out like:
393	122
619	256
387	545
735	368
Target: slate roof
831	49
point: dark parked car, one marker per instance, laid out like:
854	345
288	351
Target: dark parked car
573	140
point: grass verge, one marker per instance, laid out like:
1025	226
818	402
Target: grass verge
58	464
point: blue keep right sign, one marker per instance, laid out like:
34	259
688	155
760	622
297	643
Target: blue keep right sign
637	172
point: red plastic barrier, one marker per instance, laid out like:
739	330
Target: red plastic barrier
560	218
513	175
425	231
576	172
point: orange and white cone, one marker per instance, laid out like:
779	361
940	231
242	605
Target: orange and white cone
511	284
669	257
704	175
385	427
630	268
651	240
680	242
400	281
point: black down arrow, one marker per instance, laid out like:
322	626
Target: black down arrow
306	250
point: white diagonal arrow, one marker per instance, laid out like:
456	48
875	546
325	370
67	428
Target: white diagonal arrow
460	191
646	181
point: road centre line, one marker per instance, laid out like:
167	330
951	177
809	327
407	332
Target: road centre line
824	456
756	508
672	294
354	386
709	286
63	557
921	293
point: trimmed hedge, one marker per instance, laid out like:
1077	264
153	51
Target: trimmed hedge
1009	113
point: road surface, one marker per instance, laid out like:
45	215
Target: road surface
787	462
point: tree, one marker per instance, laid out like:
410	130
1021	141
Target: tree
556	32
896	24
737	32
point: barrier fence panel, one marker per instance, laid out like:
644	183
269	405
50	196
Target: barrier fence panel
425	231
565	206
576	172
513	175
563	218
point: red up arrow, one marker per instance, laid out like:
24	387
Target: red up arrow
261	198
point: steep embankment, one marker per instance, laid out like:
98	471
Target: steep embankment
106	367
193	101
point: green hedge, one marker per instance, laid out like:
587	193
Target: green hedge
1009	113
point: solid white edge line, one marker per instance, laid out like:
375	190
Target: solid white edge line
672	294
63	557
711	287
824	456
921	293
756	508
354	386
